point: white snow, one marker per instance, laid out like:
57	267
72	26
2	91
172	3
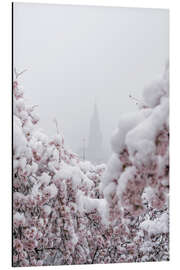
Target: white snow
113	170
124	178
140	140
156	226
47	209
88	204
44	179
73	172
51	190
126	123
19	140
19	219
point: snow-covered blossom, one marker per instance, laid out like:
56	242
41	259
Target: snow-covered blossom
50	191
19	219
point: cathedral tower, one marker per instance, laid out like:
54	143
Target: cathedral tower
95	148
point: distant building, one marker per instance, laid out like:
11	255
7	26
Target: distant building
95	151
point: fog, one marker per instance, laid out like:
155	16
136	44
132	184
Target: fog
78	55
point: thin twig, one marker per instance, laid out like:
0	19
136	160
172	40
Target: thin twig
138	101
17	74
57	127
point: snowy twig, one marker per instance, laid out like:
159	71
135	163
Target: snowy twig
57	127
138	102
17	74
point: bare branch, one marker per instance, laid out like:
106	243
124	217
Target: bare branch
138	102
17	74
34	106
57	127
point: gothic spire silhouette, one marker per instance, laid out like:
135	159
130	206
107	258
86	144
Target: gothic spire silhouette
95	149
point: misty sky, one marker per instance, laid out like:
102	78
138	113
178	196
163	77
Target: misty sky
77	54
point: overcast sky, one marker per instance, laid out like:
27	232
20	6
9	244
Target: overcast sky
77	54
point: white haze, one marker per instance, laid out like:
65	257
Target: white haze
77	54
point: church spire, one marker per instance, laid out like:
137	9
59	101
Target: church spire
94	150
